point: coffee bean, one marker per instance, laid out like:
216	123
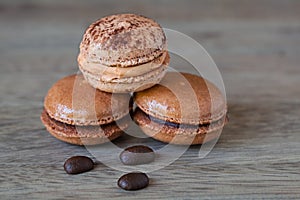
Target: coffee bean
133	181
137	155
78	164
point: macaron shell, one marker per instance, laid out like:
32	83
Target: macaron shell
183	98
125	85
123	40
83	135
170	136
72	100
183	135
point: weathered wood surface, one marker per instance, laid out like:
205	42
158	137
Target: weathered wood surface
256	46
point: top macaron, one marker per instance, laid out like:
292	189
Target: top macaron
123	53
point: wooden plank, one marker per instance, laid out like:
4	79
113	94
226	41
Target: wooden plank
257	51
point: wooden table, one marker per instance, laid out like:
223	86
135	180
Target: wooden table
257	49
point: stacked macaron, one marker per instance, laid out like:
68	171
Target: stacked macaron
118	54
76	113
123	53
183	109
126	53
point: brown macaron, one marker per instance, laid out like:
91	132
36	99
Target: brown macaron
123	53
183	109
77	113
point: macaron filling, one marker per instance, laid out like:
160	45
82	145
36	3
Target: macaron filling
113	74
141	118
91	131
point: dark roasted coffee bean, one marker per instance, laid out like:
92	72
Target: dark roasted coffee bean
78	164
137	155
133	181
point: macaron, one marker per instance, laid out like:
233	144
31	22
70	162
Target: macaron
76	113
184	109
123	53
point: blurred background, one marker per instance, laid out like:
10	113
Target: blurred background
250	41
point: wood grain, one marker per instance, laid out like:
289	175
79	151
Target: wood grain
256	47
